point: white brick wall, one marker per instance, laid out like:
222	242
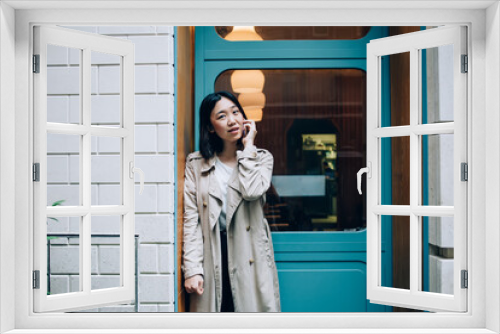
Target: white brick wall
154	154
440	165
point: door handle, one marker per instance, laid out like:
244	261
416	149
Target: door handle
133	170
368	171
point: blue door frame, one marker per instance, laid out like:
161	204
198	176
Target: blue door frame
307	261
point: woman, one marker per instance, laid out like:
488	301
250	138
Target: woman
228	260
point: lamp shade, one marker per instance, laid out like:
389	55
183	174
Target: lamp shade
247	81
243	33
251	101
254	114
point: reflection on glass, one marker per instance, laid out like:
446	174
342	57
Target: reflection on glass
397	254
106	170
313	123
63	84
299	33
437	89
437	172
106	89
395	71
63	255
63	169
438	247
106	240
395	180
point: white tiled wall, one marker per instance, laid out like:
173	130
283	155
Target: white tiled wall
154	147
441	149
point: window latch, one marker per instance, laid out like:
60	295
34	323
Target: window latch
133	170
368	171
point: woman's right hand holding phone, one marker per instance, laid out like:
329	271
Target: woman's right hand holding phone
249	132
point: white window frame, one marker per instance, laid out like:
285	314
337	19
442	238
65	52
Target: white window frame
414	43
484	104
86	43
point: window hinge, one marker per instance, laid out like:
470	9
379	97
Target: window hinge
465	64
465	279
36	279
464	171
36	172
36	63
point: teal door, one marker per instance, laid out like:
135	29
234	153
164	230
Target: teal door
313	122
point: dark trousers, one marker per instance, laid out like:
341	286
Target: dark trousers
227	296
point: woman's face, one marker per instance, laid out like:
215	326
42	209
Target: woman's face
227	120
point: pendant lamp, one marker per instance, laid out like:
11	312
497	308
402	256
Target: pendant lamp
252	104
247	81
254	114
243	33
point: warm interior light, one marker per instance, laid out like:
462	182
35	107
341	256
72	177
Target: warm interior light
251	101
247	81
254	114
243	33
252	104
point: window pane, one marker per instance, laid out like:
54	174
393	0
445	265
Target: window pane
106	170
438	249
313	122
396	254
395	89
395	171
63	255
437	84
63	169
106	89
291	33
437	169
106	241
63	84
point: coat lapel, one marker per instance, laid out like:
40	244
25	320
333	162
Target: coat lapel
215	201
233	196
214	193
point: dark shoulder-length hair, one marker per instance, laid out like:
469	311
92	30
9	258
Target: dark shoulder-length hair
210	142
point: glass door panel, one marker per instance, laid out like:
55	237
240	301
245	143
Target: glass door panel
313	122
106	89
63	255
107	247
437	84
63	169
64	68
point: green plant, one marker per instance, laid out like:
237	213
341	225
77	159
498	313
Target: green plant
56	203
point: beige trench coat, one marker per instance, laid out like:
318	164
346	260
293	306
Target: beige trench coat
252	270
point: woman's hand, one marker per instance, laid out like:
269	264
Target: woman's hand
194	284
250	131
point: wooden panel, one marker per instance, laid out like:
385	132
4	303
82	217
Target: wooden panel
185	136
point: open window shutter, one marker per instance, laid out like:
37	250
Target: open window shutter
75	255
382	136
